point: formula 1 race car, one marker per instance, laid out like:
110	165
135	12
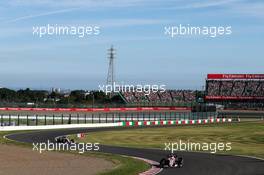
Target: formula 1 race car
171	161
64	139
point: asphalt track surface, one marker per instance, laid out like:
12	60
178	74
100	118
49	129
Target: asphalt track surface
194	163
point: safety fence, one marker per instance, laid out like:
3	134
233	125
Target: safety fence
121	124
95	117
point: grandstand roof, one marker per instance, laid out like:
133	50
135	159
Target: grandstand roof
235	76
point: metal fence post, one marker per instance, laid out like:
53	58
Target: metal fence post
85	118
27	121
9	120
2	120
45	119
18	121
53	119
99	118
36	120
69	122
78	119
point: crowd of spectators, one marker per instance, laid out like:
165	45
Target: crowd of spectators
226	88
238	88
177	96
168	96
129	96
140	96
250	88
213	87
260	90
189	96
154	97
235	88
165	97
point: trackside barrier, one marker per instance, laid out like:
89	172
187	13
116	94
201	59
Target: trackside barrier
11	119
46	127
174	122
98	109
118	124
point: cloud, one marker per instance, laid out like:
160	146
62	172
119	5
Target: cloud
74	3
240	7
243	7
205	4
120	3
252	9
39	15
67	5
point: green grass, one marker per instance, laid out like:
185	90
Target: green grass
123	165
246	138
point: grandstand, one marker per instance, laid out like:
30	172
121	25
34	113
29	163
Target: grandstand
235	89
168	96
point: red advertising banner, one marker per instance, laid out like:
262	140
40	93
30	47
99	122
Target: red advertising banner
97	109
235	76
232	98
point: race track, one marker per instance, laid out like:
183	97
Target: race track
194	163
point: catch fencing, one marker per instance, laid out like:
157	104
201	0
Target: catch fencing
13	119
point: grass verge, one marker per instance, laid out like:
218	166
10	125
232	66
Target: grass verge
123	165
246	138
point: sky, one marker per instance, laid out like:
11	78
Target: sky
144	54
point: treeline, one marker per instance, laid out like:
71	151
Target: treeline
34	97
